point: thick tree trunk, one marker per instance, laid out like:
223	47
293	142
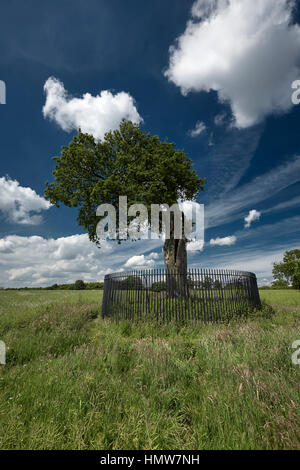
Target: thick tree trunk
175	256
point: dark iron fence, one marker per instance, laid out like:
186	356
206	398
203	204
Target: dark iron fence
200	294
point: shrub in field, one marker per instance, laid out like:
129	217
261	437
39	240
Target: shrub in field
79	285
288	270
94	285
296	279
131	282
159	286
280	284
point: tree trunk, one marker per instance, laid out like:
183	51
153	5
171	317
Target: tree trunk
175	257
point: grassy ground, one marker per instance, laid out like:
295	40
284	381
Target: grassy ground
74	381
284	297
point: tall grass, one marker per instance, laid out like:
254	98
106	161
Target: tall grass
74	381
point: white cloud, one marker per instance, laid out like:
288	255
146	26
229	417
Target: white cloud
251	217
199	128
139	261
247	51
258	262
33	260
220	119
195	246
203	8
153	255
258	258
18	202
264	282
226	241
37	261
95	115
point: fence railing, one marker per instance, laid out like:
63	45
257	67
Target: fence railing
208	295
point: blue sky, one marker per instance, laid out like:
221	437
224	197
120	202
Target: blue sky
222	93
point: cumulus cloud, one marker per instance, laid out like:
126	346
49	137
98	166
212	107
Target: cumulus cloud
226	241
256	259
195	246
203	8
139	261
199	128
247	51
95	115
17	203
37	261
251	217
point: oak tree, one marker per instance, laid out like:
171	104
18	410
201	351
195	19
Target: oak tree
128	161
288	270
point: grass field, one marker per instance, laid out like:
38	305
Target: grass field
283	297
74	381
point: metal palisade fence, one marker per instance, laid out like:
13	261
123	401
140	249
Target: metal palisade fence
207	295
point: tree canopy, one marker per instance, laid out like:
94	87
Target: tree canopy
288	271
129	161
79	284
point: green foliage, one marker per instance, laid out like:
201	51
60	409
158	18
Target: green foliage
79	285
160	286
217	284
66	286
296	279
128	162
207	283
280	284
289	270
94	285
131	282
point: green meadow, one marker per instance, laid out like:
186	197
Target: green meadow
75	381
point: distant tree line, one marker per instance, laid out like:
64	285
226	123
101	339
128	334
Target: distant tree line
78	285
